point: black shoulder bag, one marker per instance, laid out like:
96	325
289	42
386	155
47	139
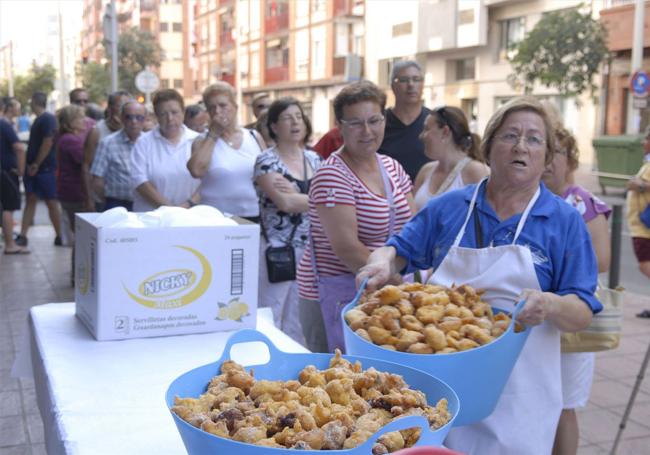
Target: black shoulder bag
281	260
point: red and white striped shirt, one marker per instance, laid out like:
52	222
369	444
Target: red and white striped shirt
336	184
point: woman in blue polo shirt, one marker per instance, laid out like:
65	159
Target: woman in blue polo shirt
512	237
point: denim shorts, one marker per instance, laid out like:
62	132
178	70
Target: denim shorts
42	184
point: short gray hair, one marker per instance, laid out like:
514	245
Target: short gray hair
403	64
130	102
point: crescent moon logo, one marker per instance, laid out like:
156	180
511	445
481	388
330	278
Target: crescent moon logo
82	279
168	303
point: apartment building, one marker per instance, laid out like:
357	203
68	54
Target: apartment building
165	19
308	49
462	46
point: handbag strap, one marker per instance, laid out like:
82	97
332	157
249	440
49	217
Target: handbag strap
390	197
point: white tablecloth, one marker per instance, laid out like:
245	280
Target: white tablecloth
109	397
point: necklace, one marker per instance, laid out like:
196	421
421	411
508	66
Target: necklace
231	142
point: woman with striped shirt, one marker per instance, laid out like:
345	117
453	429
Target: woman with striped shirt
357	200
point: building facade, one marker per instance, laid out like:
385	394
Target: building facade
166	20
307	49
462	46
619	21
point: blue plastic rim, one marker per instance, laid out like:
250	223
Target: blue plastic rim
286	366
492	363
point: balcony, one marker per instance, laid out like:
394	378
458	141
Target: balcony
348	8
274	24
619	22
230	78
349	66
226	39
277	74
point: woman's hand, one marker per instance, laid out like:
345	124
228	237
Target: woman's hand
218	125
382	267
536	309
636	184
378	274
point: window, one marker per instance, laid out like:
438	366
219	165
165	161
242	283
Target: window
405	28
277	53
465	69
277	8
164	83
164	27
178	83
318	5
466	16
177	27
512	31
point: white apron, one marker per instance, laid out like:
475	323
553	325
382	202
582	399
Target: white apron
527	413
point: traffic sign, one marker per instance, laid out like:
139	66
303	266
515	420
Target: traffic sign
147	81
640	84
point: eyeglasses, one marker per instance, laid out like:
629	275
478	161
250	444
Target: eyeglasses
262	106
80	101
136	117
532	142
407	79
562	152
356	124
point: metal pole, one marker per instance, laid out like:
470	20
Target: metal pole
62	88
615	263
11	68
238	82
633	115
630	402
114	39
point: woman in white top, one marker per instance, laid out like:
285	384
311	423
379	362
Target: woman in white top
282	176
454	151
159	174
224	157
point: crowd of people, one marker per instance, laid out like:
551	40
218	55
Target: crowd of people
387	192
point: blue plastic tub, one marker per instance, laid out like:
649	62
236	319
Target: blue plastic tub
478	375
285	366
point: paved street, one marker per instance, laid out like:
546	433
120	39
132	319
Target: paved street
43	277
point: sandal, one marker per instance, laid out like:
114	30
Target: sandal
18	251
645	314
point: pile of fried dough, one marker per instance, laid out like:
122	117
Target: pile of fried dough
426	319
332	409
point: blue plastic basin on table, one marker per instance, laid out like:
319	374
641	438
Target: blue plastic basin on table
478	375
286	366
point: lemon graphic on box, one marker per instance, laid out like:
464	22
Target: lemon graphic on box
234	310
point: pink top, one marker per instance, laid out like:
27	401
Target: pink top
336	184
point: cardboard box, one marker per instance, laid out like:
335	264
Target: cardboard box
145	282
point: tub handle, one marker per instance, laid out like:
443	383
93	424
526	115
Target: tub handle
401	423
247	336
520	306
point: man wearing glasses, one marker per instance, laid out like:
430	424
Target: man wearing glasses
111	168
405	121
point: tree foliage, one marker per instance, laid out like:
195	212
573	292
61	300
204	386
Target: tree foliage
38	78
95	78
564	50
136	49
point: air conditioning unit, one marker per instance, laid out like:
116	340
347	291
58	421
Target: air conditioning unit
353	66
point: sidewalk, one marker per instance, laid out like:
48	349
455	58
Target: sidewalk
43	277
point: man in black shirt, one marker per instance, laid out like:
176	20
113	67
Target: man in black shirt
40	176
405	121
